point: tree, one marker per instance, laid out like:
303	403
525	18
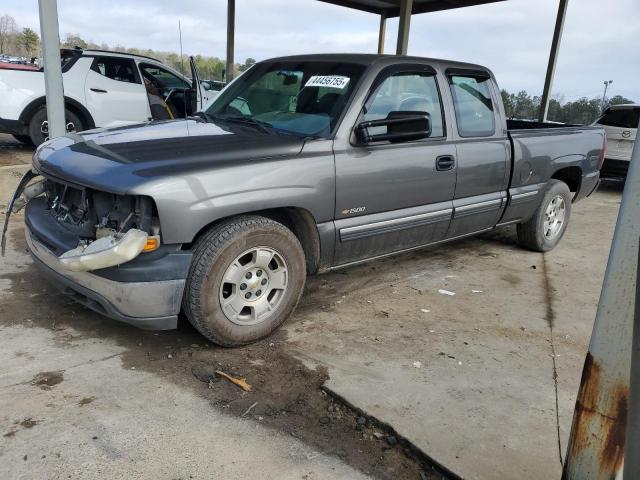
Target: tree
506	100
8	29
619	100
582	111
247	63
72	40
30	41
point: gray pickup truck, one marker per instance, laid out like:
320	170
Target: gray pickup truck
303	164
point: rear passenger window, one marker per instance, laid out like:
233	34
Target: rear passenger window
119	69
620	117
473	106
407	91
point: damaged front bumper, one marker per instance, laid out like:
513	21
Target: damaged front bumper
104	252
152	305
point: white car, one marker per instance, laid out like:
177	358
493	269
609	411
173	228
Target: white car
101	89
620	123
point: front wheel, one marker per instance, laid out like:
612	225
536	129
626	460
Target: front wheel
39	125
246	278
543	231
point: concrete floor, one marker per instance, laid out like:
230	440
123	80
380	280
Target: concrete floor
97	418
481	401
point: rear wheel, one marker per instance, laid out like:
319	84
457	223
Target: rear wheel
543	231
246	278
26	139
39	125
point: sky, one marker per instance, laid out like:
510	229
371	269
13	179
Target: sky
512	38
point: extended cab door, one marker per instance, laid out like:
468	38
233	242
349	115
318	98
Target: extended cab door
396	195
483	152
114	92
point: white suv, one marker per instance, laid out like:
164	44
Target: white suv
101	89
620	122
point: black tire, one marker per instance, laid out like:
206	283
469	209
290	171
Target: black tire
214	252
531	234
35	124
26	139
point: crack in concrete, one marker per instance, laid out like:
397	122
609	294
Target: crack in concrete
88	362
411	450
550	317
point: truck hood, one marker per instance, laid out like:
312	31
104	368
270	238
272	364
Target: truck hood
119	160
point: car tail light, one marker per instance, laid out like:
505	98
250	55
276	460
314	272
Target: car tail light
604	149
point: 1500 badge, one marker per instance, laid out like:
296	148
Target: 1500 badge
351	211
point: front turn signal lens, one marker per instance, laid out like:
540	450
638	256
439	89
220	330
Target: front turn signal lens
152	244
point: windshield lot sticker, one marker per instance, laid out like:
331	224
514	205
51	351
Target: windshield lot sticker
332	81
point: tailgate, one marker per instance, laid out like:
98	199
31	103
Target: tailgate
620	142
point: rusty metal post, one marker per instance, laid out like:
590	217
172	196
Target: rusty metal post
597	441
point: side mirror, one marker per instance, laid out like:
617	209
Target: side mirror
402	126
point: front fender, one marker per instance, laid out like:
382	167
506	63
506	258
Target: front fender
188	203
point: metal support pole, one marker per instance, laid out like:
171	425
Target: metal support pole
597	441
231	28
604	95
632	444
48	10
404	22
381	33
553	57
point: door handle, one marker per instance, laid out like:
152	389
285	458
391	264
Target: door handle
445	162
98	90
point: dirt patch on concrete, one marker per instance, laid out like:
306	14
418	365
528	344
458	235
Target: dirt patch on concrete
46	380
27	423
86	401
285	394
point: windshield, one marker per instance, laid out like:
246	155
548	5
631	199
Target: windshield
302	98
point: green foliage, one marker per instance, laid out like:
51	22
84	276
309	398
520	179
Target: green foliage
619	100
30	41
247	63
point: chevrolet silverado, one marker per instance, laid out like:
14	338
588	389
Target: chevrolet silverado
304	164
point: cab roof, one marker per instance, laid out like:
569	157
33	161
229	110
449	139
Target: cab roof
371	59
624	105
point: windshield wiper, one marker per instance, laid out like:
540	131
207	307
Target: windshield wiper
264	126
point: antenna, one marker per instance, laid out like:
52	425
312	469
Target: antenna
181	58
